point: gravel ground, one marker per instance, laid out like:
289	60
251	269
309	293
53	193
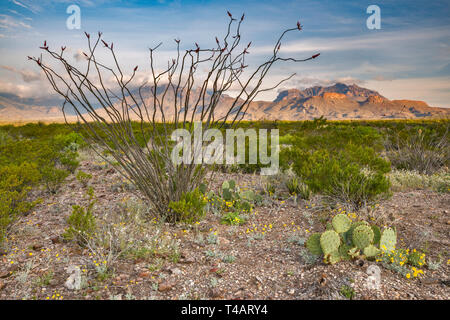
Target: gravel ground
262	259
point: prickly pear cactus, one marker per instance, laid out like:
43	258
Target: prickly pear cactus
343	251
332	257
371	251
388	239
362	236
313	244
353	227
247	195
354	252
341	223
377	234
230	184
329	241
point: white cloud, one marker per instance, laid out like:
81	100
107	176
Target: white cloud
19	4
352	43
27	75
9	23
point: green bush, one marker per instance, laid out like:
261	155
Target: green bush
83	177
340	163
82	223
419	148
15	183
53	178
297	188
30	155
190	208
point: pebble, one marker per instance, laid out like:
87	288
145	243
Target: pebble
215	293
175	271
166	286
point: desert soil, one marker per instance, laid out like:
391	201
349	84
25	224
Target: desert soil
261	259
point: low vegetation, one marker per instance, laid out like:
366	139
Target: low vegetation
333	176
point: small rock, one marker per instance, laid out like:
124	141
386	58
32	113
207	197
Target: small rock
223	241
166	286
186	259
55	239
175	271
144	274
215	293
238	294
2	285
37	246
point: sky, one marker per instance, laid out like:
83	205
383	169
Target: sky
407	58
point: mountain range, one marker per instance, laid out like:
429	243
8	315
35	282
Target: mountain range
336	102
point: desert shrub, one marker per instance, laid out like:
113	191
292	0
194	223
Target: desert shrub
403	180
67	146
15	183
53	178
270	188
82	222
190	208
233	218
341	178
30	155
340	162
347	292
298	188
293	185
419	148
72	141
5	138
83	177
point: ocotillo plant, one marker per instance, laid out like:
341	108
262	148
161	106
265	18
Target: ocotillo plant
173	98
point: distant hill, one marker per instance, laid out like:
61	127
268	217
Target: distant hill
339	101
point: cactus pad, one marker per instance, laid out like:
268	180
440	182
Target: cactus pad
329	241
371	251
353	227
226	194
377	234
313	244
332	257
343	252
362	236
388	239
341	223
